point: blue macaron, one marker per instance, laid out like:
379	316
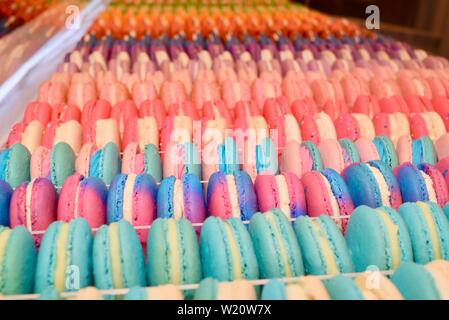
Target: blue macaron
323	247
227	252
385	149
65	257
5	199
343	288
377	237
106	163
428	229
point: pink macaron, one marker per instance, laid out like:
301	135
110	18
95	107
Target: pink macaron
392	125
83	198
317	127
354	126
284	191
427	124
33	205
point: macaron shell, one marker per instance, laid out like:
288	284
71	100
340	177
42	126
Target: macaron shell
439	185
62	163
343	288
15	165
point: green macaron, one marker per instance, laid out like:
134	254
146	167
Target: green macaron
15	165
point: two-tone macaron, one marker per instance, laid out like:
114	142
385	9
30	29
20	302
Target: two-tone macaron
65	257
132	197
106	163
227	252
231	195
146	161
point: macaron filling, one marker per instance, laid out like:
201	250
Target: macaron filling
392	239
385	194
175	252
326	247
283	195
280	241
233	196
432	230
234	251
128	198
115	255
28	210
178	199
429	189
61	256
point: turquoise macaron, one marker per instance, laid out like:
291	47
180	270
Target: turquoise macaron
118	259
350	153
18	261
342	287
15	165
428	229
423	151
152	162
64	261
50	294
323	247
415	282
317	162
106	163
173	253
167	292
385	149
274	290
277	250
377	237
228	159
62	163
213	289
227	252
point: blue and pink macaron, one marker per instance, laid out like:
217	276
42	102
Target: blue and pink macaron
373	184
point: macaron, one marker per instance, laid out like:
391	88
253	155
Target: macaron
15	165
377	237
354	126
372	184
342	287
418	282
427	124
142	131
338	154
212	289
386	151
89	293
18	267
367	150
284	191
65	257
118	259
180	159
421	150
305	288
317	127
56	164
106	163
231	195
327	193
393	125
5	200
422	183
227	252
323	247
147	161
173	253
277	250
308	154
133	198
163	292
83	198
82	162
33	205
428	229
177	198
102	132
69	132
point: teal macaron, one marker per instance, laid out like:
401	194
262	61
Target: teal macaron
118	259
323	247
212	289
106	163
350	153
277	250
341	287
173	253
423	151
227	252
416	282
386	150
65	257
152	162
377	237
428	229
62	163
15	165
18	261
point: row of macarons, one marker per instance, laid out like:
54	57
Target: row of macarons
269	247
228	192
193	21
411	281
